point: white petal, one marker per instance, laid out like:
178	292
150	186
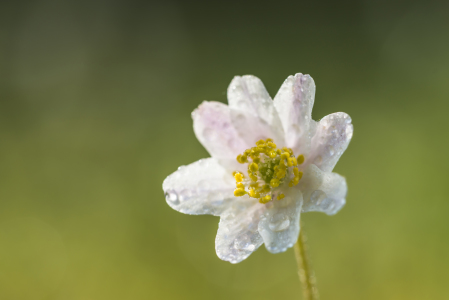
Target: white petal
322	191
214	129
279	225
237	235
333	134
253	111
252	128
294	103
203	187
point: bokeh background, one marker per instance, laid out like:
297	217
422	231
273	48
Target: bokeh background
95	103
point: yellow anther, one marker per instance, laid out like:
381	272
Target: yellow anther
266	188
295	171
272	154
242	158
300	159
254	184
240	185
239	192
253	177
290	162
274	182
279	151
256	160
265	199
285	155
294	161
253	194
261	149
288	150
272	145
253	167
281	174
296	179
238	177
260	142
269	140
281	196
254	151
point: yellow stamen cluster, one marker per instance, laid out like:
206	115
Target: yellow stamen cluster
268	168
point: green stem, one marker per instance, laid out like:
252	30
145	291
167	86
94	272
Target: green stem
305	272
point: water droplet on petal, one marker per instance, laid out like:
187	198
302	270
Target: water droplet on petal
172	197
330	150
184	195
244	243
317	197
279	222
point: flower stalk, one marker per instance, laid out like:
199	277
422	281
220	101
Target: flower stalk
305	272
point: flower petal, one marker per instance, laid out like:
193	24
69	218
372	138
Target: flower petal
213	128
203	187
294	103
322	191
279	225
253	111
333	134
237	235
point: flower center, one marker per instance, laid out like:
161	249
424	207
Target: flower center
269	169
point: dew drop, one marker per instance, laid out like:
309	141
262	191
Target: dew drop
279	222
244	243
331	150
184	195
172	197
317	197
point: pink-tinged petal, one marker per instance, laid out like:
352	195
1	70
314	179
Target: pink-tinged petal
322	191
279	225
294	103
238	235
203	187
214	129
248	97
252	128
332	137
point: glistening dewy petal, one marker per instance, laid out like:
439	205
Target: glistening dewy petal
269	162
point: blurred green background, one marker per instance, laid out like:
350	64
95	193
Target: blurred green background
95	103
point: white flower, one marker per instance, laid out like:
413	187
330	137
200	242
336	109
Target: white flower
259	200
